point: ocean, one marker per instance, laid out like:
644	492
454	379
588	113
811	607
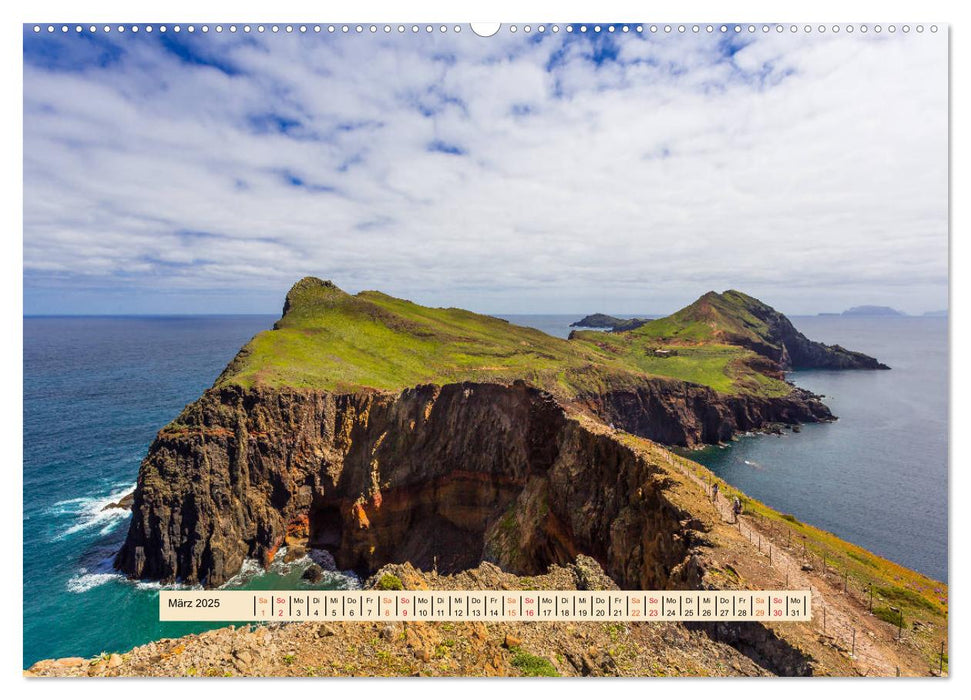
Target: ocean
97	389
877	476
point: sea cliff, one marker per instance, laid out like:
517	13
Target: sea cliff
503	468
454	475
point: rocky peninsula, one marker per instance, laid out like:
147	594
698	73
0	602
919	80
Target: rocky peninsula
737	319
392	434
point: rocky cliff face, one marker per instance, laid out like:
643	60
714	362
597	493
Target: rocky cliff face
447	475
777	339
796	351
688	415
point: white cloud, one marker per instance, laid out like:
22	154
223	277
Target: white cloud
504	175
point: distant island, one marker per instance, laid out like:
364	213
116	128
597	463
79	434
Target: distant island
609	322
868	310
942	313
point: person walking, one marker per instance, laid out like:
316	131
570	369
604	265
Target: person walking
714	492
736	509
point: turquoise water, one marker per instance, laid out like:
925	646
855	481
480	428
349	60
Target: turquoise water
96	390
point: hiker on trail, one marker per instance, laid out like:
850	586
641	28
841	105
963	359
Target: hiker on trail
736	508
714	492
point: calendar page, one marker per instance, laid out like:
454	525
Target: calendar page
447	349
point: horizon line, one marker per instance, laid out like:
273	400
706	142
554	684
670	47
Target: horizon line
933	314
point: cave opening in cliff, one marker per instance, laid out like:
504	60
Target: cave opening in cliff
326	528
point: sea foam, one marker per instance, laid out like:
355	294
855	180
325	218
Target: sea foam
84	582
89	513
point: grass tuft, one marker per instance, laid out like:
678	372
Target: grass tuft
532	665
390	582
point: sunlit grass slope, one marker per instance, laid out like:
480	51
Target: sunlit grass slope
713	317
725	368
328	339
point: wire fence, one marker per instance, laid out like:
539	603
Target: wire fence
793	557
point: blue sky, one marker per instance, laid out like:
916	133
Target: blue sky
577	172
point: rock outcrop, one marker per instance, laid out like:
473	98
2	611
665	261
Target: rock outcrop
688	415
611	322
746	321
597	321
792	350
445	476
124	503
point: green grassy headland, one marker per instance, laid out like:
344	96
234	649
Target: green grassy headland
328	339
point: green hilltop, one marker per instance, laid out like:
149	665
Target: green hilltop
730	316
329	339
733	320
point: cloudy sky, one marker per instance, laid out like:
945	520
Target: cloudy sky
574	172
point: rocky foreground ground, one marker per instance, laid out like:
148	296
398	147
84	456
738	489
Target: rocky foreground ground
538	648
432	649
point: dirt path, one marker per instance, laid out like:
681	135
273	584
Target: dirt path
872	649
